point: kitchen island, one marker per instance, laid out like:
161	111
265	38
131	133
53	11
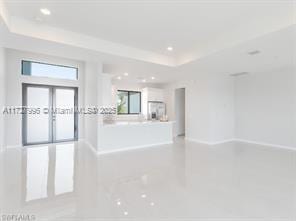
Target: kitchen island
119	136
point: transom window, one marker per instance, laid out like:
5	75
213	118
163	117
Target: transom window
128	102
38	69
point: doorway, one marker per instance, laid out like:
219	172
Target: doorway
180	111
50	115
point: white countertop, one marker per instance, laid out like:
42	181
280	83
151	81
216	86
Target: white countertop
129	123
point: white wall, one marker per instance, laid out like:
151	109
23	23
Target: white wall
209	108
106	85
180	111
92	99
2	97
259	107
222	118
265	106
14	80
124	85
196	107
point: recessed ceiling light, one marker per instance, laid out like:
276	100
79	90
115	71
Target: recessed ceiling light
125	213
118	78
125	74
170	48
143	195
152	78
151	204
118	203
45	11
144	80
253	52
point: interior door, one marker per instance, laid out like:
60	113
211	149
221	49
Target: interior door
50	115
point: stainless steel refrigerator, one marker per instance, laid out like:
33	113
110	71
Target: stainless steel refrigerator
156	110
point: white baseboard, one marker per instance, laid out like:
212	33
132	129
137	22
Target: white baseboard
197	141
241	140
89	145
209	143
266	144
102	152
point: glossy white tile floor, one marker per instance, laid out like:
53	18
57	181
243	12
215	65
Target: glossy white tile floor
183	181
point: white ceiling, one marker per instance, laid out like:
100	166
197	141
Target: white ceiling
211	37
194	28
277	50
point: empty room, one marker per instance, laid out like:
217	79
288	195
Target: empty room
163	110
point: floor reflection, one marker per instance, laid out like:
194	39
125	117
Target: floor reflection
64	169
182	181
37	161
48	172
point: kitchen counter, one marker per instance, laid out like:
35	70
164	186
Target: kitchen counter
124	135
126	123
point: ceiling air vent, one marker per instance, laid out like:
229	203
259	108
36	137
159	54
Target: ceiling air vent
253	52
239	74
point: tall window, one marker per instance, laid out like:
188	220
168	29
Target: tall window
128	102
39	69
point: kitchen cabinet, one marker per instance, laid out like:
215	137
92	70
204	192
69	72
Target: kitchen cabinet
153	94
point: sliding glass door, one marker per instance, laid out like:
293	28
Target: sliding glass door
50	114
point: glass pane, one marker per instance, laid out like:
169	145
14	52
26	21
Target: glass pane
122	102
135	99
65	114
37	124
48	70
37	173
64	170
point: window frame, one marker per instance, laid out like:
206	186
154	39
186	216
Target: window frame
45	63
128	101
